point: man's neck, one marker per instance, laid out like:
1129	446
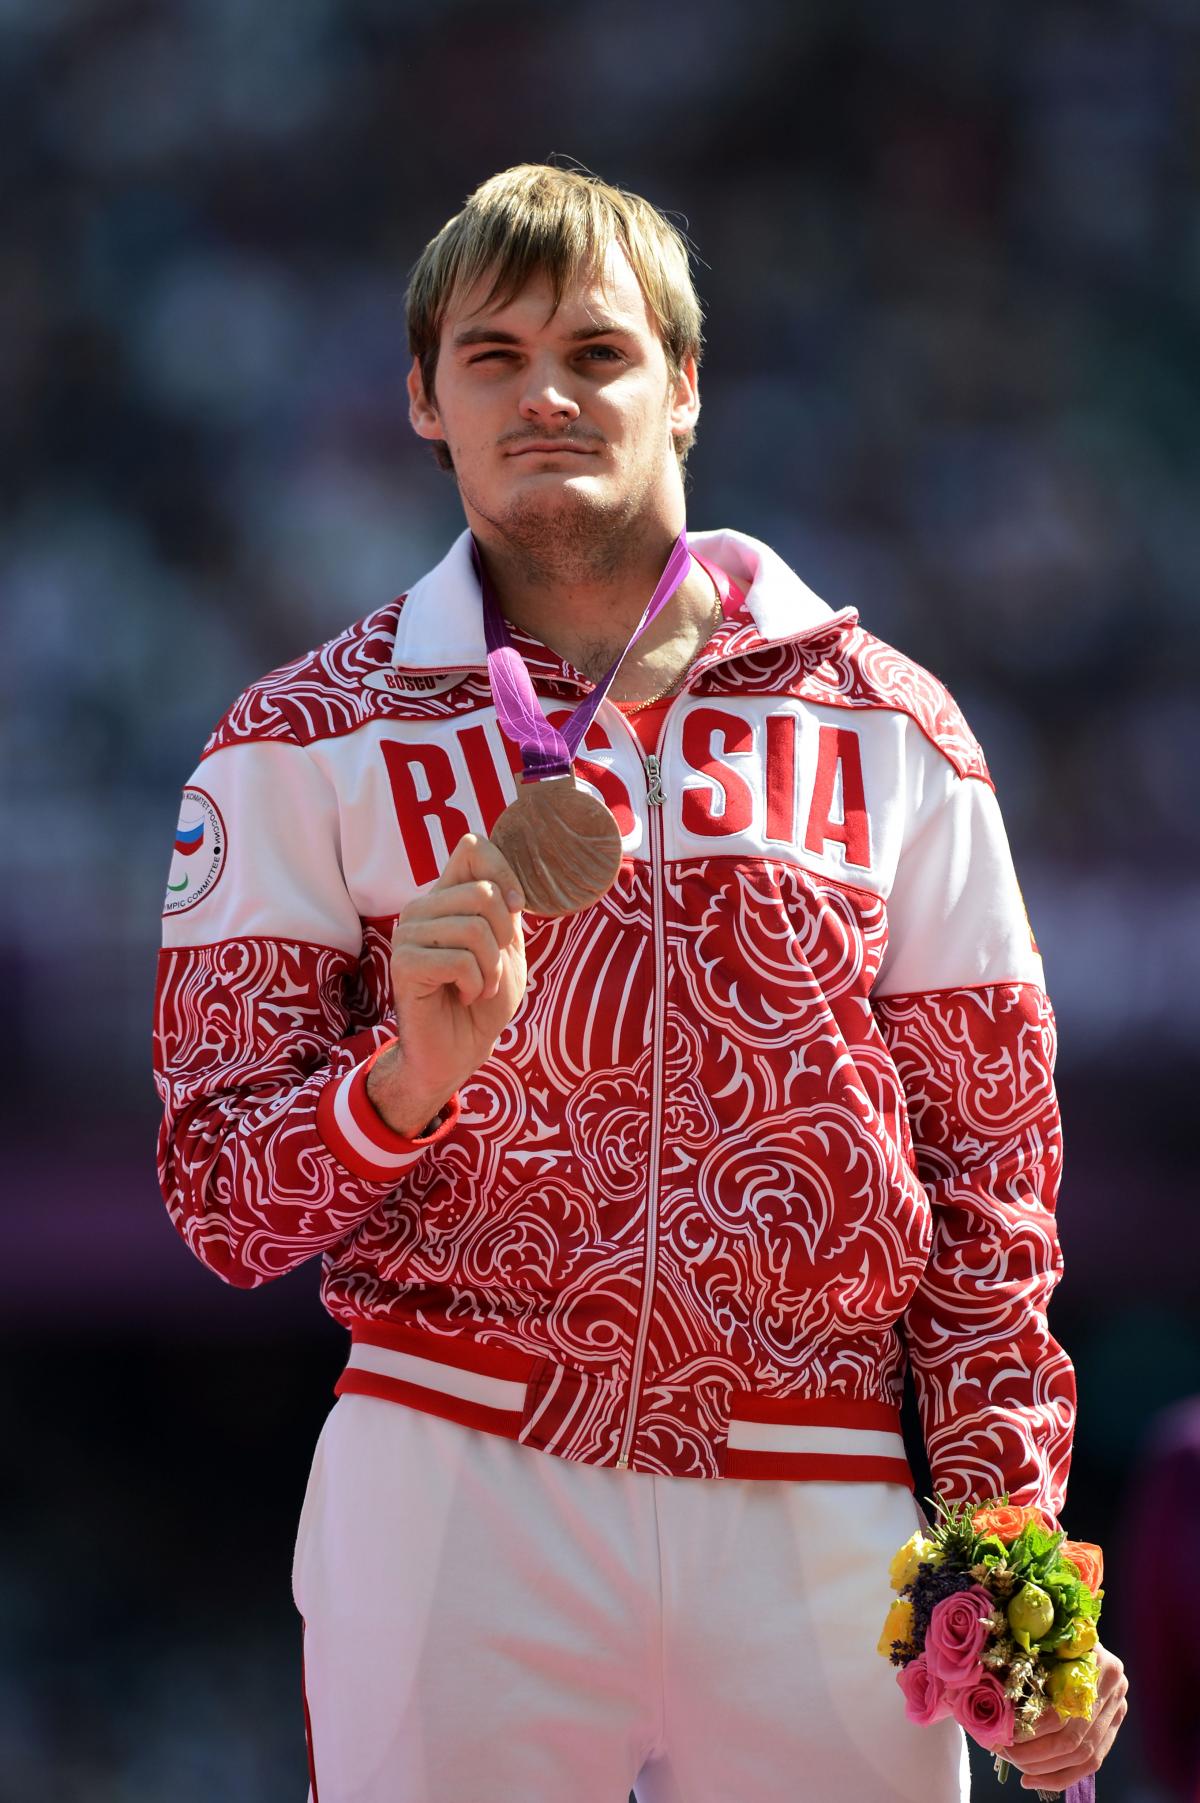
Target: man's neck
586	615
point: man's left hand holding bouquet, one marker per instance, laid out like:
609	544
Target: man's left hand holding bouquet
1062	1751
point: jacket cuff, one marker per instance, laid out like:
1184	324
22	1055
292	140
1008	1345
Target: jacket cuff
358	1136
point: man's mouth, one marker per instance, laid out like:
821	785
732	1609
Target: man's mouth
547	447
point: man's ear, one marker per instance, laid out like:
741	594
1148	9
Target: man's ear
423	415
685	399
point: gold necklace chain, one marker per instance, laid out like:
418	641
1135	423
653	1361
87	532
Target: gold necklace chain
635	707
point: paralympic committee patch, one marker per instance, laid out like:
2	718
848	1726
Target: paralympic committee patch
199	854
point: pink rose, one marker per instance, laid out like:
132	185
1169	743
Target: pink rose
925	1698
959	1629
984	1711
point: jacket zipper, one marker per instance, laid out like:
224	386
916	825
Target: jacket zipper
654	799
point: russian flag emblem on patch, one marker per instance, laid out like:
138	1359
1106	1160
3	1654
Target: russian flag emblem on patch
200	828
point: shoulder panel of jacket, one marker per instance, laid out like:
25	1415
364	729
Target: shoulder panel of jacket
318	695
860	670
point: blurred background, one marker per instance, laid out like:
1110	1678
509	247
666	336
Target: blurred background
950	256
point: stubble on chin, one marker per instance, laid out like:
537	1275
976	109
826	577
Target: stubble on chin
565	536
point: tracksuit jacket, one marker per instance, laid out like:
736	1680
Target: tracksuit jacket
774	1116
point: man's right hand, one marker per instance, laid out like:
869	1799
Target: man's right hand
458	975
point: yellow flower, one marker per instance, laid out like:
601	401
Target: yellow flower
1071	1687
914	1552
898	1626
1083	1638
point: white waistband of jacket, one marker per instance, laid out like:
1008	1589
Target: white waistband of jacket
833	1439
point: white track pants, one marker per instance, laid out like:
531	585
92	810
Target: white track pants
486	1623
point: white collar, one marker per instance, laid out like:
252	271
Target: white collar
441	622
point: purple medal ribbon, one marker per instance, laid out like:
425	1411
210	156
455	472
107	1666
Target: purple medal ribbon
545	751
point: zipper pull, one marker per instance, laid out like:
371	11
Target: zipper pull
654	788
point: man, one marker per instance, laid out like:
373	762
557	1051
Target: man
632	1186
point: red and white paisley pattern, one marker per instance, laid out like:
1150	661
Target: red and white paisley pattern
830	1167
246	1038
324	693
997	1393
852	668
805	943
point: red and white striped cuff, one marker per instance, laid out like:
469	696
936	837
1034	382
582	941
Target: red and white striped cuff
835	1439
360	1138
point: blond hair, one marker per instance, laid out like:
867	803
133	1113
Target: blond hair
539	219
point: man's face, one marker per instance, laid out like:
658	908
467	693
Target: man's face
561	424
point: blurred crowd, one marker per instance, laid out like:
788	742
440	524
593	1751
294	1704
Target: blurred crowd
951	269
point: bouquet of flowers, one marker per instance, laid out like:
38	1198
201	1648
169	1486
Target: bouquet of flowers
995	1622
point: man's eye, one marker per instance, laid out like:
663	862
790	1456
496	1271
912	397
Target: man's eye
486	356
605	352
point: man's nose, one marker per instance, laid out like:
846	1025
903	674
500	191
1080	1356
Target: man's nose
546	398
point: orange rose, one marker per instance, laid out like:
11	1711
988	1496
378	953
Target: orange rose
1088	1561
1007	1521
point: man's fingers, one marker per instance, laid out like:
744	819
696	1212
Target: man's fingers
480	897
1070	1745
1086	1765
477	859
1063	1765
471	932
456	932
1054	1755
1050	1726
1058	1746
433	967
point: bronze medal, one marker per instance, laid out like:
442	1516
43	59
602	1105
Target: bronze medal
563	845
